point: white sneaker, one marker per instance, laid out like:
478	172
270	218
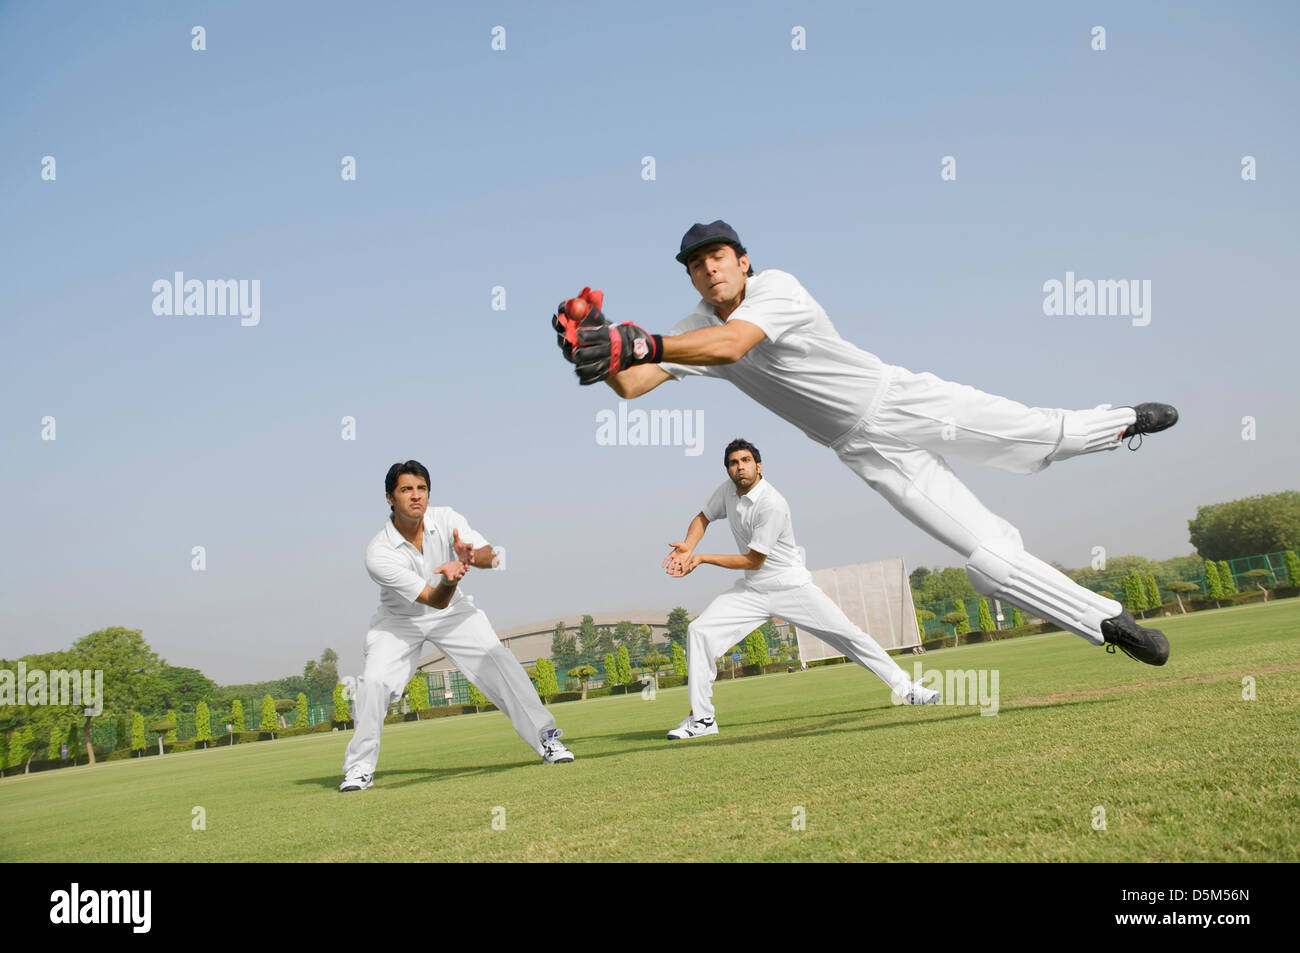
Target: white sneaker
357	782
553	752
692	727
918	694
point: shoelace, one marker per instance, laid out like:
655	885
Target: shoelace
1131	438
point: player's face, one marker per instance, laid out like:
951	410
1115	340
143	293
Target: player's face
743	470
410	498
717	274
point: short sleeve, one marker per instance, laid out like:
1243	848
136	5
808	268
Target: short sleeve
716	508
467	534
768	524
389	570
776	303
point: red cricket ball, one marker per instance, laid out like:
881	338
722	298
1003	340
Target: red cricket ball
576	308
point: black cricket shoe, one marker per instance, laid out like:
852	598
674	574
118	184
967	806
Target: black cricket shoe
1151	418
1145	645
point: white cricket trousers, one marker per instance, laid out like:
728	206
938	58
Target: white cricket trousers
898	448
734	614
392	649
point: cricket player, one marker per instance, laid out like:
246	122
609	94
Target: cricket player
419	559
776	583
767	335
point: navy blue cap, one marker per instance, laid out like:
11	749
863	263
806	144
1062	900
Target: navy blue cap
701	235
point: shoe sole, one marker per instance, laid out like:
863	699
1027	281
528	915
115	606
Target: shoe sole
700	734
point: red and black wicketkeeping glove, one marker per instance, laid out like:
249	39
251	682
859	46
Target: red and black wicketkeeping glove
603	351
566	328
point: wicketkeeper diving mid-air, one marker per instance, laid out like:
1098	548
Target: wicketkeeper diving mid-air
769	337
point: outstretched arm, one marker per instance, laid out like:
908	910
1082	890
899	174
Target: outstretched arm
725	344
637	380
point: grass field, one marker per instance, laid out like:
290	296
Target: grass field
1184	768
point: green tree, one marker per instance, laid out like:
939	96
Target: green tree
547	683
1213	584
583	674
183	688
301	718
611	670
964	625
20	748
986	617
171	717
270	721
1256	524
946	585
756	648
130	670
679	660
917	578
645	640
74	741
53	748
1017	617
655	661
342	713
321	676
1292	562
1225	577
121	733
1179	586
1135	594
678	623
588	635
137	732
624	664
477	698
237	716
605	639
417	693
202	723
922	617
560	641
161	728
954	619
1255	579
625	633
1153	592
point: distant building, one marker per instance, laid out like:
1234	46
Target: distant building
530	642
533	641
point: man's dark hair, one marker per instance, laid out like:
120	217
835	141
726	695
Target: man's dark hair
740	443
739	250
413	467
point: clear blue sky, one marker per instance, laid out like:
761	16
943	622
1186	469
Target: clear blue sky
522	169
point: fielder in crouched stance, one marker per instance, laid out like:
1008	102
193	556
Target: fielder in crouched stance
776	583
418	559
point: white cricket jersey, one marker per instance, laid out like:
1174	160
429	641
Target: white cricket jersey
760	520
804	372
402	571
